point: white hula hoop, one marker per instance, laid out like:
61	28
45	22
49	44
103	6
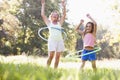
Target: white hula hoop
65	35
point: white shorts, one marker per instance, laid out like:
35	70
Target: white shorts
56	45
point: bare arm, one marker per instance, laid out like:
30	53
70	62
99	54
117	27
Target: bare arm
95	24
62	19
77	28
43	12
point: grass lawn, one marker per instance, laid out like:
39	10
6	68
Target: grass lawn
34	68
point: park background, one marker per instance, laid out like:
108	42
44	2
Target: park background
21	20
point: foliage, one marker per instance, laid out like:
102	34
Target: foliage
110	41
10	27
22	20
27	13
31	21
109	45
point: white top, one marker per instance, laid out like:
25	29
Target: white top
55	32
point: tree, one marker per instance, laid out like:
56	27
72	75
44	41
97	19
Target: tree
31	21
10	27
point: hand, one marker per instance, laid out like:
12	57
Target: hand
42	1
82	21
88	15
63	3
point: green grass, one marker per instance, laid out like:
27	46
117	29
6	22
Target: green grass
33	68
27	71
11	71
70	59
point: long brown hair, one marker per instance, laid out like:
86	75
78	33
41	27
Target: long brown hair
92	25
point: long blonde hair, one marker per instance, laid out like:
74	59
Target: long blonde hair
55	11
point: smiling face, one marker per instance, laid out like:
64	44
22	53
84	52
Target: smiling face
54	16
89	27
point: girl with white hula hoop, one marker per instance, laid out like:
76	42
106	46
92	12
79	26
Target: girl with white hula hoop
55	40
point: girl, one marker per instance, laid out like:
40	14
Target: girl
55	40
89	39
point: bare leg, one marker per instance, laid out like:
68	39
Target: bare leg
82	65
57	57
51	55
94	65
